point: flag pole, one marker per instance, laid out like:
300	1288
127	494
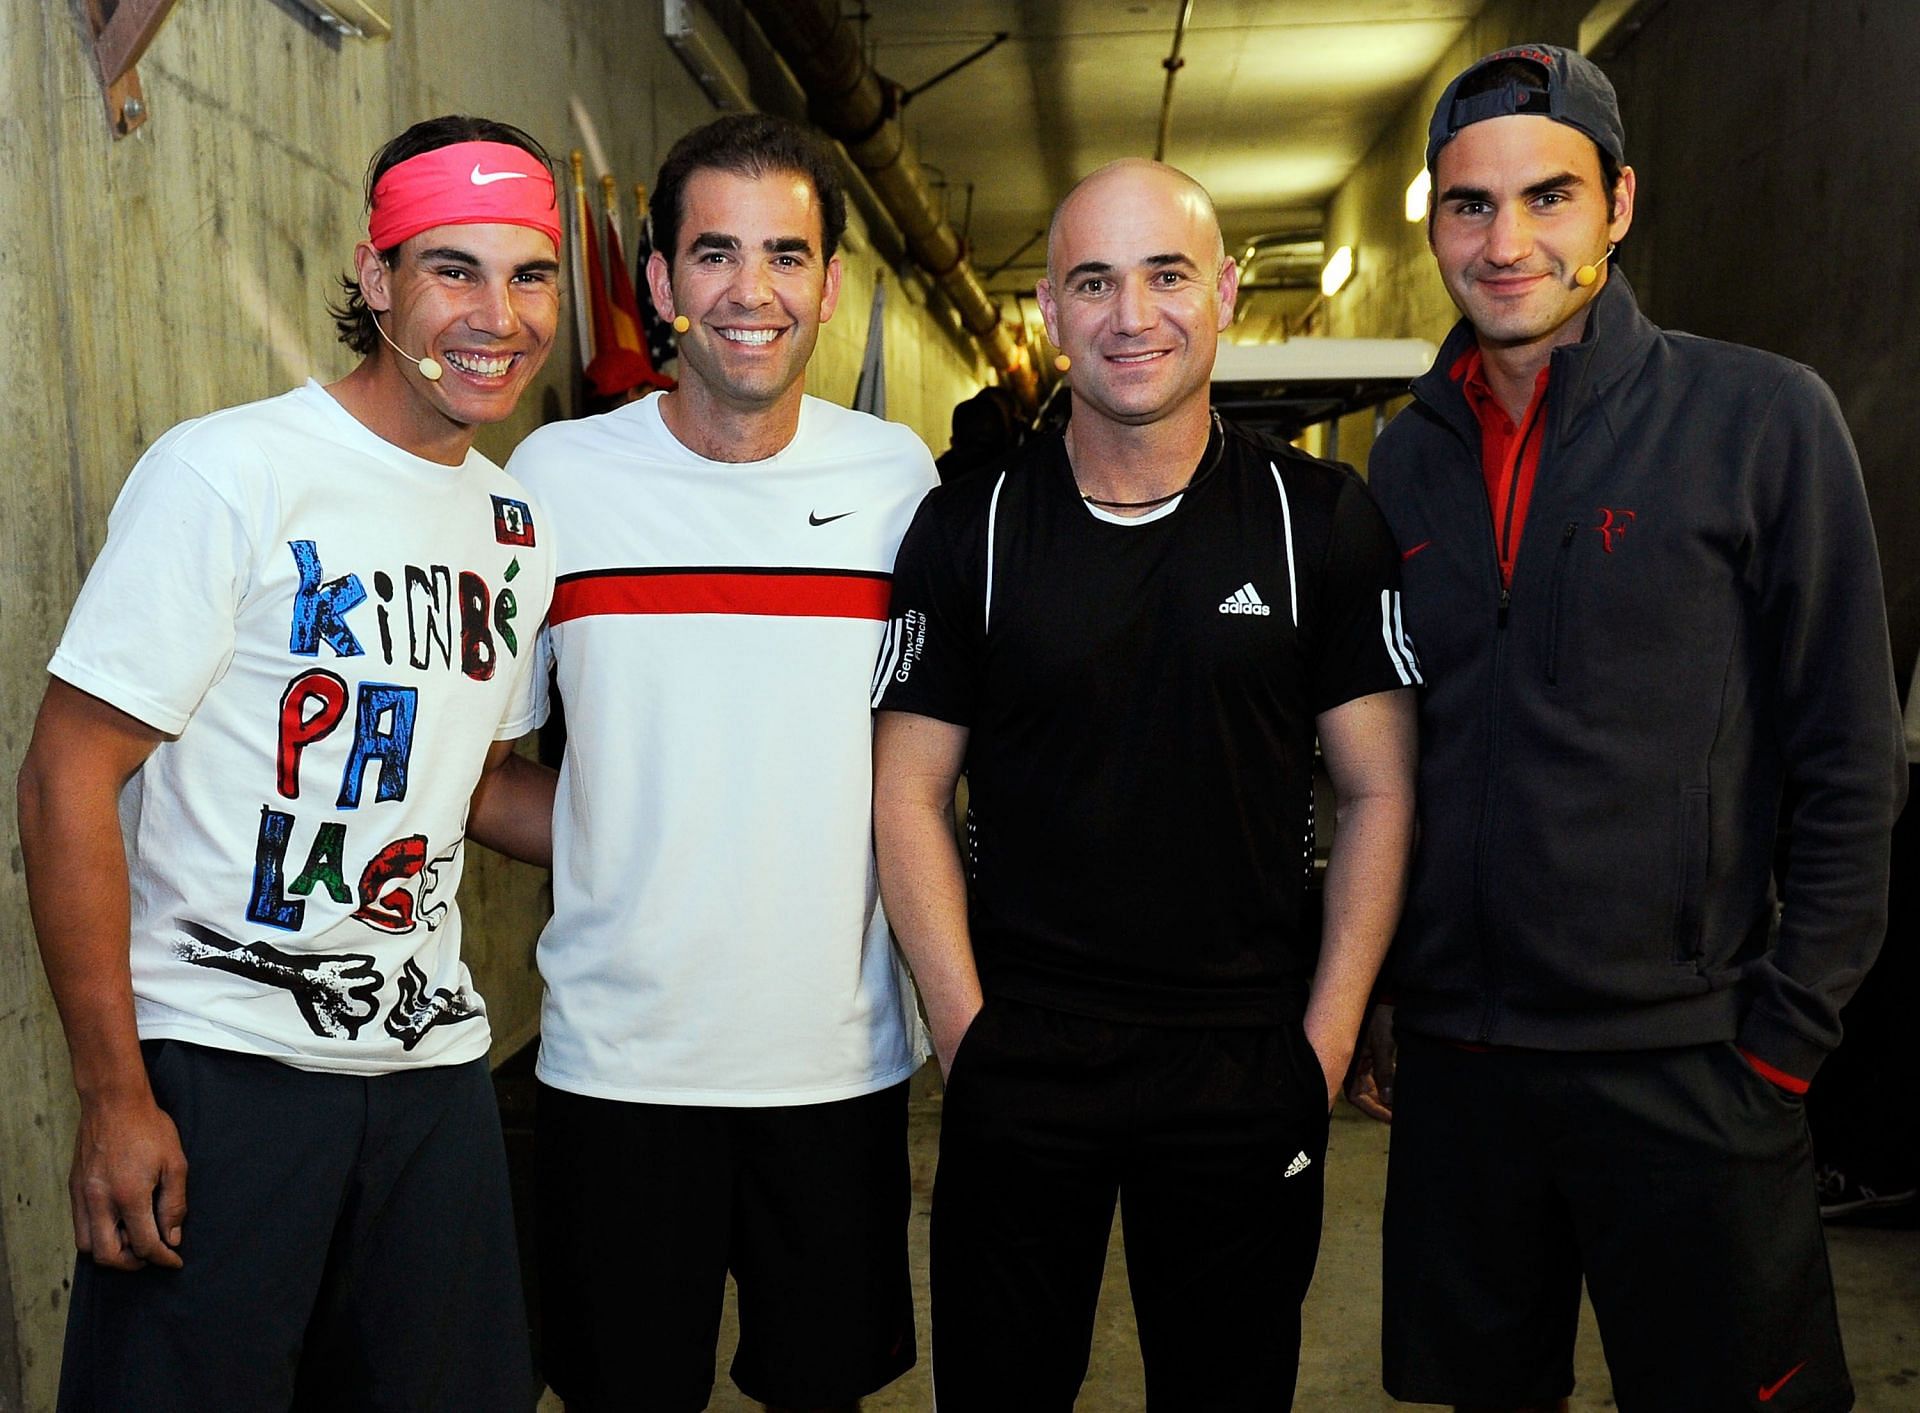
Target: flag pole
620	327
610	199
582	293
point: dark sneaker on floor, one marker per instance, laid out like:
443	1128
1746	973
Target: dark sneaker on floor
1843	1197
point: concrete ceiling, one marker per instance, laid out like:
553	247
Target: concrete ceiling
1277	102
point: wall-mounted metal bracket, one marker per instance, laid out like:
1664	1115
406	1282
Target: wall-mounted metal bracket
122	30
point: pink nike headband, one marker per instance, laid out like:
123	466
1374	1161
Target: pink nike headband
463	184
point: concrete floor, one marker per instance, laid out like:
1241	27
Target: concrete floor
1876	1271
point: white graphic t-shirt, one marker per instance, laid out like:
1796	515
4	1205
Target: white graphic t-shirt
333	631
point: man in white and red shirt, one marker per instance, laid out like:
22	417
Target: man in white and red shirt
728	1032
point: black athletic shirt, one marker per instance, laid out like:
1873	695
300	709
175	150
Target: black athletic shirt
1140	699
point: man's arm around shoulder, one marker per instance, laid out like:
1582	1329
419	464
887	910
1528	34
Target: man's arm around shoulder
128	1182
512	807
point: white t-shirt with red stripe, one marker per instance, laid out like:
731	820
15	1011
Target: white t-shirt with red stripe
717	936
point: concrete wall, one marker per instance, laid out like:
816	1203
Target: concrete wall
1771	139
156	278
1780	211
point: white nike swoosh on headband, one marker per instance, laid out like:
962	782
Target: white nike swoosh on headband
480	178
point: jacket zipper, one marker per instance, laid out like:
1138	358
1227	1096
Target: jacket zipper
1483	846
1553	603
1482	929
1504	538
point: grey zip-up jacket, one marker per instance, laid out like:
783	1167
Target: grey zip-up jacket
1695	633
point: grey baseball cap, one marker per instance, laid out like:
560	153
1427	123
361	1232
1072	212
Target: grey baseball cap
1572	90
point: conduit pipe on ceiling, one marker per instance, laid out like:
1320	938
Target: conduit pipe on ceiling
1173	63
861	110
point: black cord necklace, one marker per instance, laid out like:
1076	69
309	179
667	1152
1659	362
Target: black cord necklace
1215	444
1134	504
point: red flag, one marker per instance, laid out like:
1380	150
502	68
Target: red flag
600	307
621	363
626	309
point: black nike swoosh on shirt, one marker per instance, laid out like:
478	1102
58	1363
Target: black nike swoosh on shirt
813	519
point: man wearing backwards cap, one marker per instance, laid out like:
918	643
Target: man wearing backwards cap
1641	576
305	646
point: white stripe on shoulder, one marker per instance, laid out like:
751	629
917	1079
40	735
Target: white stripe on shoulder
888	660
993	513
1406	643
1286	519
1389	637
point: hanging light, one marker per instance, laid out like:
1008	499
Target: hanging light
1418	190
1339	269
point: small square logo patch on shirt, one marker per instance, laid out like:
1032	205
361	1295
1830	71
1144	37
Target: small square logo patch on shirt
512	521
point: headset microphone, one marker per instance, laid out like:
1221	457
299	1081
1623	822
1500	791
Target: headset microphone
1585	275
430	368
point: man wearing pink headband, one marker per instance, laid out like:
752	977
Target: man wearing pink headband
307	644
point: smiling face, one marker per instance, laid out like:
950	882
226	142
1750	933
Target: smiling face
749	275
483	301
1138	290
1518	208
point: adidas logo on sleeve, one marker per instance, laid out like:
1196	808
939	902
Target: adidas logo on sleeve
1245	599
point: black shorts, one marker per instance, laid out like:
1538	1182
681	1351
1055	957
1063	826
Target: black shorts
1214	1143
348	1244
645	1208
1678	1183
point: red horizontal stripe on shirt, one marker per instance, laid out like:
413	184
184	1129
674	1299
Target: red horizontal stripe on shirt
798	593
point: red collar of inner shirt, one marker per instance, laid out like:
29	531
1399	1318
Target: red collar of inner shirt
1509	470
1470	371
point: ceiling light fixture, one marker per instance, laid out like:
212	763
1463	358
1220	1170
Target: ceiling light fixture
1418	190
1339	270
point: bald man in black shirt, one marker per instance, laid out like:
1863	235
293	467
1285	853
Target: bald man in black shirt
1129	637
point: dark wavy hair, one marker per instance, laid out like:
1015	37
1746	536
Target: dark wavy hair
748	145
350	313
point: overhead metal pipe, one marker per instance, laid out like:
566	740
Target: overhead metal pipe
1000	37
861	110
1173	63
